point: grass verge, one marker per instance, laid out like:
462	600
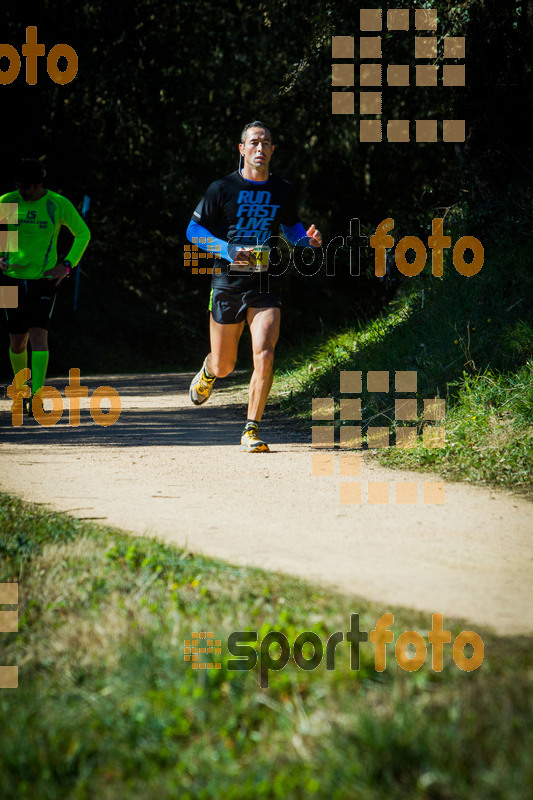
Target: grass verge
107	707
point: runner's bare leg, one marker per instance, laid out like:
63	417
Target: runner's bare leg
264	326
224	346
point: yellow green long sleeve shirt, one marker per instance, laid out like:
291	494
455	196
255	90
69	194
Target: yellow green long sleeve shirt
39	223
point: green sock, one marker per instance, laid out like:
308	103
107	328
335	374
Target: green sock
39	363
18	361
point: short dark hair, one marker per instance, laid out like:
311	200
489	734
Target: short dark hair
30	170
256	124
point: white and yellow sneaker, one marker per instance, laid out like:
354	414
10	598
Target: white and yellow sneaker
250	441
201	387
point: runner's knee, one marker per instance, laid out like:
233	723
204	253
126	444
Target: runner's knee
18	342
39	338
264	360
222	368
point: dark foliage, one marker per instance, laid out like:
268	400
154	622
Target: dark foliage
155	113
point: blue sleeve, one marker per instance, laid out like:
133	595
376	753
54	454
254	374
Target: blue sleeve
295	234
195	233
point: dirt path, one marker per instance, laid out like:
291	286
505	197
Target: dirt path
169	469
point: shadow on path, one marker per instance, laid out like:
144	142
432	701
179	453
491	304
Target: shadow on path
154	421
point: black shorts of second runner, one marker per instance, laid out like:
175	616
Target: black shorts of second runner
36	301
229	306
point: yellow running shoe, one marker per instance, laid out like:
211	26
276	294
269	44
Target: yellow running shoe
22	400
250	441
201	387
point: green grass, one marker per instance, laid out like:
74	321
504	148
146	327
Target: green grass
107	707
489	433
470	340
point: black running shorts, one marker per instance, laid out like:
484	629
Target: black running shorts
229	306
36	301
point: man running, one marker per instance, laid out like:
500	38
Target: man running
34	268
238	213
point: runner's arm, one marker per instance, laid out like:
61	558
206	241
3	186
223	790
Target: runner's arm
297	235
196	232
78	229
